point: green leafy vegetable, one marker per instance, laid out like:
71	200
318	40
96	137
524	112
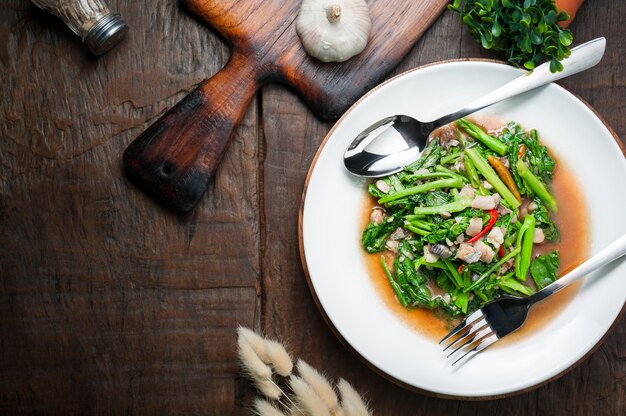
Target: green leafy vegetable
544	269
430	156
527	32
428	208
538	157
525	146
375	235
513	287
550	230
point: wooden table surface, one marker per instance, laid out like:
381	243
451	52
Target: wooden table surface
111	304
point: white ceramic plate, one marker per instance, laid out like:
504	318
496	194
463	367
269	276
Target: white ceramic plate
331	250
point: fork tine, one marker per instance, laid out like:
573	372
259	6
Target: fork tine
469	320
476	335
478	348
465	333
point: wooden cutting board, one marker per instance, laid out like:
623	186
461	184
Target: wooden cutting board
177	155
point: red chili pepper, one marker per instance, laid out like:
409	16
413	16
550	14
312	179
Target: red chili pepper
460	269
494	216
501	251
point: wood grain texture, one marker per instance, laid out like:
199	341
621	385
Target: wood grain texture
177	155
110	304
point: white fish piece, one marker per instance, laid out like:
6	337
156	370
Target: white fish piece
397	234
506	266
392	245
474	227
486	202
377	216
468	191
383	186
447	135
428	256
486	253
468	253
502	210
539	236
496	237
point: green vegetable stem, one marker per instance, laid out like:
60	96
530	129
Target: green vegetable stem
525	242
535	185
396	287
458	205
429	186
479	134
492	177
492	269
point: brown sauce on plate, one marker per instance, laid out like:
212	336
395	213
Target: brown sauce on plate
573	250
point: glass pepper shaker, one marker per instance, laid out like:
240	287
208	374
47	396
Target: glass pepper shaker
99	28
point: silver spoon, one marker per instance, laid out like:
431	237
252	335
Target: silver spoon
394	142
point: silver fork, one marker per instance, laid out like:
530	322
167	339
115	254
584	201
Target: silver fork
508	313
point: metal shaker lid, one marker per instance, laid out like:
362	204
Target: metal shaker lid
106	33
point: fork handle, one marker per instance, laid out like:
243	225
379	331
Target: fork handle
614	251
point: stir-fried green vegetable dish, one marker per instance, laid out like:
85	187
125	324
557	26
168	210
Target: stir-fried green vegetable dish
463	220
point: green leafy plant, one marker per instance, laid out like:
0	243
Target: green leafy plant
544	269
526	31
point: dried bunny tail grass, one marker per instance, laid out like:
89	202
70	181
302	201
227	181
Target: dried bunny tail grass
270	352
319	384
259	372
307	398
251	361
265	408
269	388
256	341
278	356
295	411
351	401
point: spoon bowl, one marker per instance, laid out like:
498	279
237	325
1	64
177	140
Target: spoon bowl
387	146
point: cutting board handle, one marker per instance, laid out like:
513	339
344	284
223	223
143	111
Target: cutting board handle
176	156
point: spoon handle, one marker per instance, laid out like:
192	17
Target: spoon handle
612	252
581	58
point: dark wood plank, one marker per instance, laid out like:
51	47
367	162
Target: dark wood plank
109	303
594	387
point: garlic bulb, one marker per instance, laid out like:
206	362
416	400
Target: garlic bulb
333	30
